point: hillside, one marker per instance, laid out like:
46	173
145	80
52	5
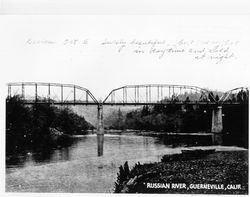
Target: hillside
110	113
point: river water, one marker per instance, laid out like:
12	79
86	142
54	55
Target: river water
77	168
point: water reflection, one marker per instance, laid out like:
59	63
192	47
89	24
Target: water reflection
78	168
83	147
185	140
37	156
43	155
15	160
100	141
96	145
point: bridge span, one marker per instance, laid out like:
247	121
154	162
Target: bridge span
148	94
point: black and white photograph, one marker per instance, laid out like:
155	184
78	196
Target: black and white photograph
134	104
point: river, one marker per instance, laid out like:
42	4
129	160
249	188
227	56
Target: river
77	168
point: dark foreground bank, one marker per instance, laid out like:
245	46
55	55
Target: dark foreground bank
214	173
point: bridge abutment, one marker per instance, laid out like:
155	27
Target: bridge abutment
217	126
100	130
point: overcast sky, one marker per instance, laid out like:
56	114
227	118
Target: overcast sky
101	68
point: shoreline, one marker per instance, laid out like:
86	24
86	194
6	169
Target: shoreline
223	172
108	164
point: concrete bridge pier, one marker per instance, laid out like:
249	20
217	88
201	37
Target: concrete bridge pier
100	130
217	126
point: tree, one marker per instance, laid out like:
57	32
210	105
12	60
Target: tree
120	119
145	111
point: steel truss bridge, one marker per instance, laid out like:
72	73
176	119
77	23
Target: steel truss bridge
151	94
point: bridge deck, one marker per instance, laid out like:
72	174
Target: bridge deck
130	104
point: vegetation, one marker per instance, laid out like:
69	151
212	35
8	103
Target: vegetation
188	118
39	126
227	168
165	118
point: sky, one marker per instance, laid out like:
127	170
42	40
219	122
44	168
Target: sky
26	55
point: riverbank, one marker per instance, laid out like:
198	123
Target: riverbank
40	127
222	172
151	133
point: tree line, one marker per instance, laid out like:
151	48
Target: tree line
164	118
37	126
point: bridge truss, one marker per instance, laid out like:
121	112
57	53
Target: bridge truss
54	93
236	95
151	94
159	94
